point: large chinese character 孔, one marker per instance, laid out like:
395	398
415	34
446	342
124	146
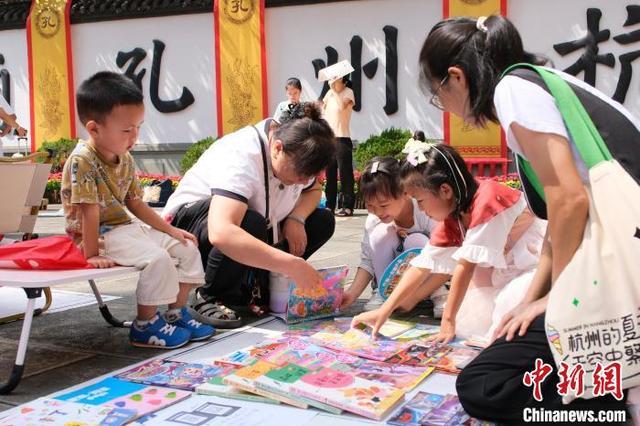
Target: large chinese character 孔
608	380
136	56
590	57
238	5
369	69
571	379
536	377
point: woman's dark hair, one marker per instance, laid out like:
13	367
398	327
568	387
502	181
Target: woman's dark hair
381	176
443	165
419	136
293	82
482	54
308	140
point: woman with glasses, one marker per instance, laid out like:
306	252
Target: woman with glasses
462	63
395	224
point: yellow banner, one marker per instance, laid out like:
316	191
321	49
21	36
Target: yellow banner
50	72
474	143
241	74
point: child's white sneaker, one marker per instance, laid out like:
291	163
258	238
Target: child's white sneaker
374	302
439	299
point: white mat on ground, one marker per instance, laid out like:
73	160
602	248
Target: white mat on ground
250	335
14	300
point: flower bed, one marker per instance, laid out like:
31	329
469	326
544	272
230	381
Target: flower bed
54	184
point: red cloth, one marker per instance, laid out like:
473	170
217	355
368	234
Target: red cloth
50	253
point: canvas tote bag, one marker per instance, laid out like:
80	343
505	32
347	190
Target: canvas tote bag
594	306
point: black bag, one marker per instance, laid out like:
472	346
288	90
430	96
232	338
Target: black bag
157	193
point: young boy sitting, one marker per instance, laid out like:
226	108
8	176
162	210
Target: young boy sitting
98	182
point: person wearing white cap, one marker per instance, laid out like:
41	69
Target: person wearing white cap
338	105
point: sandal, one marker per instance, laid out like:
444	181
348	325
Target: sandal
214	313
345	213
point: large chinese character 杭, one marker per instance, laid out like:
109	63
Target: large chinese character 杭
590	57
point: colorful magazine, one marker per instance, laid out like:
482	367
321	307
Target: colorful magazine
401	377
424	354
412	413
171	374
454	361
359	343
345	390
448	413
307	304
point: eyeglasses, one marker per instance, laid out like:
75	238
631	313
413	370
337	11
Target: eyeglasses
435	99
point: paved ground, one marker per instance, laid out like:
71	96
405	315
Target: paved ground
70	347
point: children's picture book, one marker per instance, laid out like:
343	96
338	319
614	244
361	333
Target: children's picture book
420	331
148	400
401	377
245	379
477	342
216	387
309	328
423	354
458	358
278	381
412	413
203	410
305	353
448	412
307	304
249	355
359	343
394	328
345	390
101	392
45	411
178	375
393	272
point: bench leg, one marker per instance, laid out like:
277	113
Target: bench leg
104	309
18	367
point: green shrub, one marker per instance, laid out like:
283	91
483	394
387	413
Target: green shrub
390	142
194	152
62	149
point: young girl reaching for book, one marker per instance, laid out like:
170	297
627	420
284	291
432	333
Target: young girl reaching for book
488	242
395	224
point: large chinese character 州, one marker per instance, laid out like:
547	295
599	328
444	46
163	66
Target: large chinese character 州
136	56
369	69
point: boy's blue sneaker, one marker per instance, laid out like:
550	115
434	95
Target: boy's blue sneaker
158	334
199	331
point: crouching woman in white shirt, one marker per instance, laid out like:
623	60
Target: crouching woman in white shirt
251	199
